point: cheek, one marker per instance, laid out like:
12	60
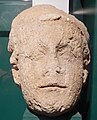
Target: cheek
30	71
25	68
73	72
75	77
39	67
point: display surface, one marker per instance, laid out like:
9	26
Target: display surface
49	56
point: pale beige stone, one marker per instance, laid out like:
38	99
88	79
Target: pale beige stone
50	55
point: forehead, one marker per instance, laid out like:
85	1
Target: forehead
47	34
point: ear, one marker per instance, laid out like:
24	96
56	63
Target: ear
15	69
86	61
85	74
86	56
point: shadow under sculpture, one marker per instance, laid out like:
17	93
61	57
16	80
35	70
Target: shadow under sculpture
50	56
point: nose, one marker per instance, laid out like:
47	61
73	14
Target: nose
54	65
13	59
58	70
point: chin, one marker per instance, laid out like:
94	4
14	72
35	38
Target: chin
48	108
49	112
48	102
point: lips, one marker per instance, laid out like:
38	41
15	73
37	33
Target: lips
52	85
15	67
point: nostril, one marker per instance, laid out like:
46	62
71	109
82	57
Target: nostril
45	74
58	71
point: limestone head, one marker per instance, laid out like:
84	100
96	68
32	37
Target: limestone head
49	58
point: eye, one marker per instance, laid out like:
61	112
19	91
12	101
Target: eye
62	49
40	53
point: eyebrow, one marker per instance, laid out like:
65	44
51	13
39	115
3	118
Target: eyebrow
42	44
59	42
61	45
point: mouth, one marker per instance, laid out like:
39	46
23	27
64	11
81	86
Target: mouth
15	67
52	86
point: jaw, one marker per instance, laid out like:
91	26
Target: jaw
50	102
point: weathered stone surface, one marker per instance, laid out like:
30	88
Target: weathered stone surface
49	56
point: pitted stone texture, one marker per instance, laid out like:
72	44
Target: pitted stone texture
49	56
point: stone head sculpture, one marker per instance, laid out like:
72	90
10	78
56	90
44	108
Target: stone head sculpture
50	56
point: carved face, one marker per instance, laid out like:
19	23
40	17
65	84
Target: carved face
49	66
